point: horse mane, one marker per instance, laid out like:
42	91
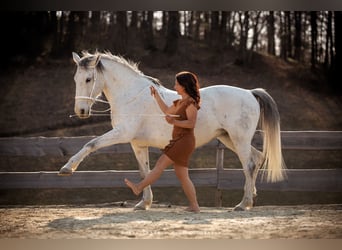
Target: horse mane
88	57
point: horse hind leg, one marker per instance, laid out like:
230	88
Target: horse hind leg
251	169
142	155
249	189
244	152
257	159
225	139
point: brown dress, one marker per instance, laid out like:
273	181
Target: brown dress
182	144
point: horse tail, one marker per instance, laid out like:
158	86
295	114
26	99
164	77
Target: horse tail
270	124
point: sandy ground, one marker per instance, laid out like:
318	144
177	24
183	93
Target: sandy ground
112	221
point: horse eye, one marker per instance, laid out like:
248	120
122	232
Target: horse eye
88	80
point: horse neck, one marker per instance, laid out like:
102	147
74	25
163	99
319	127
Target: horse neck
122	85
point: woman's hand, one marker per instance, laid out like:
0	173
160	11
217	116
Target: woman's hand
163	107
153	91
170	119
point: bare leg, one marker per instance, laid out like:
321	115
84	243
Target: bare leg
162	163
188	188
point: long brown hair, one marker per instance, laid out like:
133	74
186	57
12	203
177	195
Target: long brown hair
191	85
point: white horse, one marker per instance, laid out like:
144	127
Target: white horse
227	113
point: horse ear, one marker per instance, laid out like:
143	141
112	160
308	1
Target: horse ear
76	58
97	60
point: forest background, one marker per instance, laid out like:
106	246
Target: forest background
312	37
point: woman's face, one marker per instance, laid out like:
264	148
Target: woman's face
179	88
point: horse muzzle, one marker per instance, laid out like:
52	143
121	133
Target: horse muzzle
83	113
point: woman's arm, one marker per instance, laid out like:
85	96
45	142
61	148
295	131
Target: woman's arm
191	113
164	108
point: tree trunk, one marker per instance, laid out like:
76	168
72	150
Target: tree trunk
244	25
231	27
255	38
298	36
255	31
185	23
71	33
270	34
74	35
118	36
197	17
328	41
288	34
191	25
214	35
147	31
57	34
134	20
313	23
164	25
337	62
223	29
282	35
173	32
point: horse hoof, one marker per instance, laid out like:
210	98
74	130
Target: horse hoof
142	205
65	172
139	208
238	208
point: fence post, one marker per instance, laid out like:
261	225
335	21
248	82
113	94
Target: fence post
219	167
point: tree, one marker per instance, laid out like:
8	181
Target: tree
74	31
337	62
173	33
118	32
288	34
313	23
214	35
329	45
197	18
164	25
244	27
298	36
283	35
256	31
134	20
270	33
231	22
147	31
223	28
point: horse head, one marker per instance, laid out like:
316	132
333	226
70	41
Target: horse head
88	83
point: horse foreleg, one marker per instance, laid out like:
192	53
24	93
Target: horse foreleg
112	137
142	155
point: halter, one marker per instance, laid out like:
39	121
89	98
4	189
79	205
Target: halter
94	99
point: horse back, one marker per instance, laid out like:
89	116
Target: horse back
227	109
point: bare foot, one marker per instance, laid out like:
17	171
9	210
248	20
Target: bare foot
192	209
132	186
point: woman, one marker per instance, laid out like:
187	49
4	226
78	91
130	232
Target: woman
180	148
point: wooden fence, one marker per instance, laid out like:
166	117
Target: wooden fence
216	176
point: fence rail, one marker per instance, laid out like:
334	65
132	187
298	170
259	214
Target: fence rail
63	146
218	177
327	180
